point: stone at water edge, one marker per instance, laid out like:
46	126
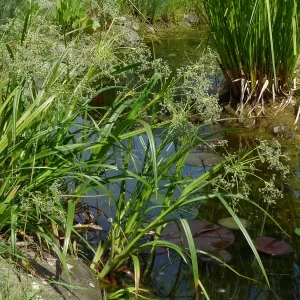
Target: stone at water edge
82	285
190	19
150	29
280	130
232	224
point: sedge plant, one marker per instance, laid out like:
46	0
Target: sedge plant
258	44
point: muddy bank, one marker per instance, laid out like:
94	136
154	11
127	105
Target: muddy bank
273	120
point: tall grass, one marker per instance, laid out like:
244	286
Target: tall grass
7	10
257	41
156	9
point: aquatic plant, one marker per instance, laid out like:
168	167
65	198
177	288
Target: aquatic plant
236	180
258	44
72	16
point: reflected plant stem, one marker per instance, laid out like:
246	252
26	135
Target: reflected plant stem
172	293
264	221
150	262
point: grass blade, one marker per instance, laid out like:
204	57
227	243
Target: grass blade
246	235
69	226
137	274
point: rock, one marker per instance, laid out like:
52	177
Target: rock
190	19
82	284
126	31
150	29
187	24
128	36
133	36
281	130
121	20
127	22
135	26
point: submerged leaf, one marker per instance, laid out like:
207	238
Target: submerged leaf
222	254
232	224
207	237
272	246
202	159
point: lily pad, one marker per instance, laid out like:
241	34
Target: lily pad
222	254
297	231
202	158
207	237
232	224
272	246
196	227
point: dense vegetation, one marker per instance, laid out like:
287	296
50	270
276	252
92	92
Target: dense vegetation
55	148
258	43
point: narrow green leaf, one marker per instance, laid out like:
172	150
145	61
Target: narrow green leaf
137	274
246	235
193	254
69	226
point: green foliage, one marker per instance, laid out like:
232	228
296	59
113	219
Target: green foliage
155	9
7	10
71	15
257	41
237	177
297	231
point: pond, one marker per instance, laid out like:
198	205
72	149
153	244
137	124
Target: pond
170	277
173	280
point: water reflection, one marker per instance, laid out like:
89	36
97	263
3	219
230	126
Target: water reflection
171	278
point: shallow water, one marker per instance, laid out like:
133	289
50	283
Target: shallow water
172	279
180	48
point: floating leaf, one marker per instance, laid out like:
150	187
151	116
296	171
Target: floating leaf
223	255
272	246
207	237
297	231
196	226
202	159
232	224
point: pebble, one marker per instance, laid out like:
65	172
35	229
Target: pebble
221	291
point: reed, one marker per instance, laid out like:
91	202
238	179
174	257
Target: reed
258	44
